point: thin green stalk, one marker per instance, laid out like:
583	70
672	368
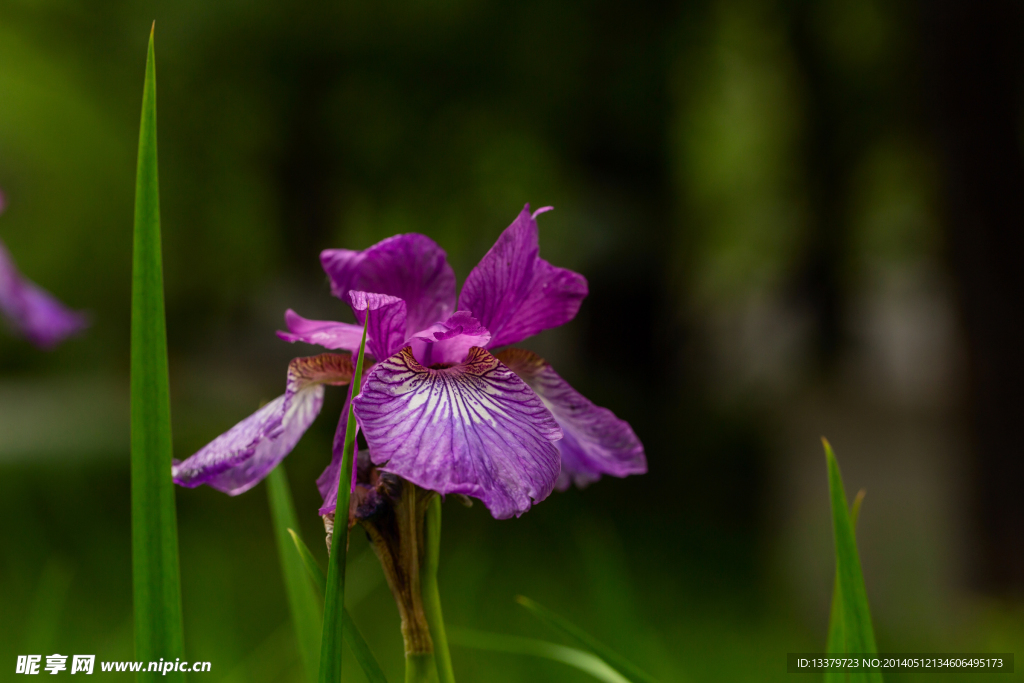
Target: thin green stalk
431	594
334	598
420	668
155	573
352	636
302	600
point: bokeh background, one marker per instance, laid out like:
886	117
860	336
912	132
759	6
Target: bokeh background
798	218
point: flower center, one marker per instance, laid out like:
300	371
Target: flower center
442	366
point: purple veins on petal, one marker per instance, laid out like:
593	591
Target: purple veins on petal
475	429
595	441
34	312
385	334
326	333
514	293
411	267
239	458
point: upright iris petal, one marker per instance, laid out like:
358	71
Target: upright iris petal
474	428
34	312
238	459
411	267
514	293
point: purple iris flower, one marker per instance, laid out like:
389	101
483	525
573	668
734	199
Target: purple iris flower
437	407
31	310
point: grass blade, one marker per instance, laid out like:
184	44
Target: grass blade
431	594
610	656
857	633
302	600
313	570
157	584
334	596
584	661
350	632
836	642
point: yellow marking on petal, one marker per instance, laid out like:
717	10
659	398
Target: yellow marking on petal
335	369
524	363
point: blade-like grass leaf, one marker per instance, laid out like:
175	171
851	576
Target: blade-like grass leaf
836	640
355	640
334	595
856	632
610	656
302	600
431	594
157	584
584	661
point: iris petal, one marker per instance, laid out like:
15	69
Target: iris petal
411	267
239	458
474	429
449	342
325	333
386	331
514	293
596	442
43	319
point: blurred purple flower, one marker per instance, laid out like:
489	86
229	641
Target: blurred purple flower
31	310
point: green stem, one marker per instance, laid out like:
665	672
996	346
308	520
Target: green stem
334	597
431	594
420	668
302	600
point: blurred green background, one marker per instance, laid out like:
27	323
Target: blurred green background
764	197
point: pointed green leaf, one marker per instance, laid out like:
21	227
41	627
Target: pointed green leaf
313	570
334	597
302	600
584	661
431	594
355	640
836	642
157	585
857	633
610	656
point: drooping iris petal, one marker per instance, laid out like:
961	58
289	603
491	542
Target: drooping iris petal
449	342
595	442
327	482
33	311
411	267
325	333
474	429
238	459
386	331
514	293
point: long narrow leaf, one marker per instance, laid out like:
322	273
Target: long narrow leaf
857	633
355	640
609	655
157	584
313	570
334	597
584	661
431	594
302	600
836	643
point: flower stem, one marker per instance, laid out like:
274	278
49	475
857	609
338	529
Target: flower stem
419	668
431	595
